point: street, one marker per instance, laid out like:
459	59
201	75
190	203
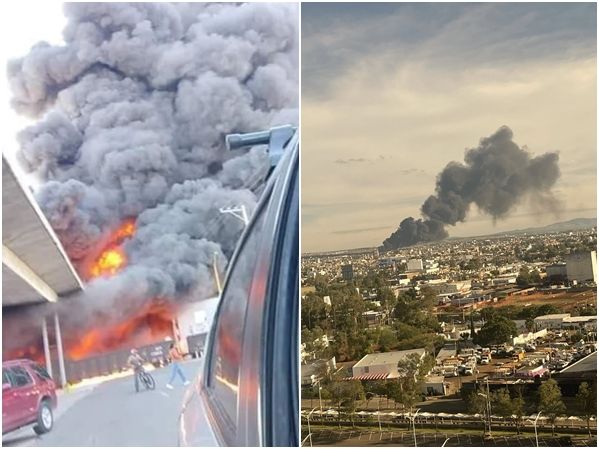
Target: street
112	414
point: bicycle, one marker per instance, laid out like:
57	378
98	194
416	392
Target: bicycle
146	379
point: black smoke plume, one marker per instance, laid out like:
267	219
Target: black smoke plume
132	113
495	176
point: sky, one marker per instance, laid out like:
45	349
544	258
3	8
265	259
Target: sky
393	92
20	30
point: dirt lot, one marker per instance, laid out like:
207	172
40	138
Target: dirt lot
566	301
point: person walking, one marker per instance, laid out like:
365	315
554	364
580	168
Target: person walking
176	356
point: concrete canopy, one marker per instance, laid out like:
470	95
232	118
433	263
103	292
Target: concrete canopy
35	267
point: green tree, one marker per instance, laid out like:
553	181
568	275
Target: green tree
535	277
345	395
387	340
314	312
550	402
497	330
523	279
412	372
586	399
519	409
477	405
508	408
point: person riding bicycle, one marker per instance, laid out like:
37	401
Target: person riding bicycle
136	361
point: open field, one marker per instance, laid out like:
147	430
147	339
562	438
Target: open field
565	301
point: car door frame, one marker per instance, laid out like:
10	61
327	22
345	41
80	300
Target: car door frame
252	419
280	381
10	406
26	396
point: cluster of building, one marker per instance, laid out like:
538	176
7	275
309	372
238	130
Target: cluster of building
464	274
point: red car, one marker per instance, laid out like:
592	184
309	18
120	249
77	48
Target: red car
28	396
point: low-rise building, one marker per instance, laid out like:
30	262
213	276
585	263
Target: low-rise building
556	271
384	363
553	321
580	322
434	386
312	372
415	265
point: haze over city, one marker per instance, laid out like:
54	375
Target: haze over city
392	94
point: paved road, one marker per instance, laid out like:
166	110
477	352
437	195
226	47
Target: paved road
112	414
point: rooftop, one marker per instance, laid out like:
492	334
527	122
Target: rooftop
388	358
586	364
554	316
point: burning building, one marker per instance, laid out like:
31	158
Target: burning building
131	114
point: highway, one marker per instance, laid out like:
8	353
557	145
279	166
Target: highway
113	414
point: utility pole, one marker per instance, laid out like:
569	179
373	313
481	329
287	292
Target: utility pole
535	423
489	405
216	275
238	212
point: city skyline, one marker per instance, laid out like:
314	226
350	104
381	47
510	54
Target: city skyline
393	93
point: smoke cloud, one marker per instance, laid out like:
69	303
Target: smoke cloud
132	112
495	176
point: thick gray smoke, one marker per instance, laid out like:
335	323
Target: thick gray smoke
495	176
133	110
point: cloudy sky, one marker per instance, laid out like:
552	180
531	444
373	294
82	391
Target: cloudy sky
20	30
393	92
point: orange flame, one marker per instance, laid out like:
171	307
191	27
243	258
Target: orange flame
32	352
150	324
110	262
112	259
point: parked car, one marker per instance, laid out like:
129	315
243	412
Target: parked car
246	393
28	396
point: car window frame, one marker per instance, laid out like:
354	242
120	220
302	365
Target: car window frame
6	370
40	371
215	411
252	410
13	377
248	428
280	372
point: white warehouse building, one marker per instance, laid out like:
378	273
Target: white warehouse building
582	266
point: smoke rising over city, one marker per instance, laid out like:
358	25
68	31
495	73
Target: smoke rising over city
132	112
496	176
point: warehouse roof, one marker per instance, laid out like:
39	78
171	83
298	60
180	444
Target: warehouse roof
554	316
388	358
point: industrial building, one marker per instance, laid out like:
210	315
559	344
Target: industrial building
553	321
383	365
582	266
556	271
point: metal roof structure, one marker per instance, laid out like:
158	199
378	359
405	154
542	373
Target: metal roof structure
35	267
388	358
587	364
376	376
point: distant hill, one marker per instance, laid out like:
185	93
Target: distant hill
577	224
